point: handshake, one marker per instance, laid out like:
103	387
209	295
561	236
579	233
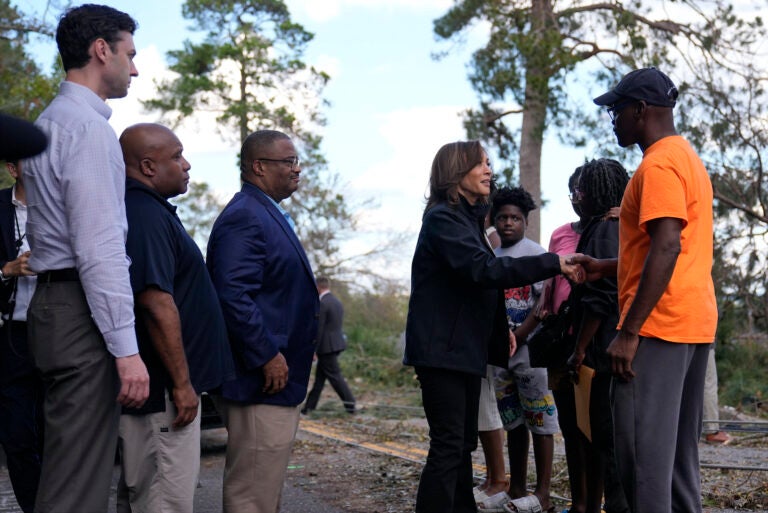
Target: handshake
580	268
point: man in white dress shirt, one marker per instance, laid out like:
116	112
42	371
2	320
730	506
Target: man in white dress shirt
81	320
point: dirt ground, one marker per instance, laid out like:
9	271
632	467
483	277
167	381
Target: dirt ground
357	480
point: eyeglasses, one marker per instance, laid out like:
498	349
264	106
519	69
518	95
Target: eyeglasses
575	196
616	108
294	162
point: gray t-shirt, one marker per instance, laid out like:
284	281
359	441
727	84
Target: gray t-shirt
520	300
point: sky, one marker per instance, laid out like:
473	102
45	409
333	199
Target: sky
391	107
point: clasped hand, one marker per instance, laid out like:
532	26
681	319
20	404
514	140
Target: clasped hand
593	268
572	270
275	374
19	267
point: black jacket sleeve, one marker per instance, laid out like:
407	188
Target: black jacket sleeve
468	258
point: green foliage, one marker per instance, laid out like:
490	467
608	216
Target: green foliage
374	324
534	48
322	213
249	70
198	210
6	180
725	116
25	90
741	368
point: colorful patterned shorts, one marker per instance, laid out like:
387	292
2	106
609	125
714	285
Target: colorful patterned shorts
523	396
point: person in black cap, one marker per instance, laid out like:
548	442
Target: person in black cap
668	313
20	386
19	139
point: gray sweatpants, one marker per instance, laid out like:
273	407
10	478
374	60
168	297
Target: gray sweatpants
657	424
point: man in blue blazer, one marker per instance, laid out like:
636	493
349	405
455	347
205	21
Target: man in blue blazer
267	292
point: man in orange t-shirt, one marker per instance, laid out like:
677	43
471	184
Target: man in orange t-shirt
666	299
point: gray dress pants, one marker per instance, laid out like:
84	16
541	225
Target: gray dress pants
80	408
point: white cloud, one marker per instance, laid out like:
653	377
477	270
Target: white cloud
212	158
409	4
329	64
399	183
322	11
198	134
127	111
319	11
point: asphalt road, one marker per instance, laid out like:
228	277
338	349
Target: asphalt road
208	494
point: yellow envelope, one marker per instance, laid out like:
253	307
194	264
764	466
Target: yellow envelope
581	393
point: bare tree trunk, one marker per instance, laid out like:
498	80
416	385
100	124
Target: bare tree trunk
530	155
534	116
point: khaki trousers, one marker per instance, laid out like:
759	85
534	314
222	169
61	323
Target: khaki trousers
160	464
259	446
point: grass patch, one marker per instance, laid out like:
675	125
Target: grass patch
741	365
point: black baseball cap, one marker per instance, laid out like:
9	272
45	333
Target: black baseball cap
19	138
648	84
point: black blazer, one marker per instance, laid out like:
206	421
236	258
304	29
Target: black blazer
330	338
8	250
456	316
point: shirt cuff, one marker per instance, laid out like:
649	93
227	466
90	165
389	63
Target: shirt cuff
122	342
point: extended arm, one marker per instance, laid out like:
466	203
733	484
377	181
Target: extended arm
595	268
447	234
542	306
527	326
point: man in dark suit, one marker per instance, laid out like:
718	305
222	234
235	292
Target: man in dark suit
267	292
330	343
21	388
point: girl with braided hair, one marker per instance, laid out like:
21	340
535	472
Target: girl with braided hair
601	188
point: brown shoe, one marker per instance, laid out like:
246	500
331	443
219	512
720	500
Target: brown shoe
719	438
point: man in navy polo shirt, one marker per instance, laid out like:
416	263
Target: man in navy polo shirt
179	326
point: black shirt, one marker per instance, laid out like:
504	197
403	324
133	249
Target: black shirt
163	255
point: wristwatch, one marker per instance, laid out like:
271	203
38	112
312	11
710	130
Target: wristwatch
3	277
